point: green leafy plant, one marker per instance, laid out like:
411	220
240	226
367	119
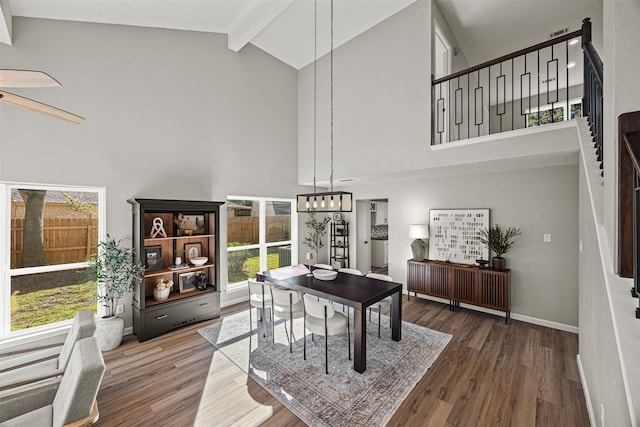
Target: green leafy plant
317	230
497	239
115	268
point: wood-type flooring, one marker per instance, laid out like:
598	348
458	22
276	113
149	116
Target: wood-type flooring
490	374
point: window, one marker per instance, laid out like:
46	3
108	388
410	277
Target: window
546	114
50	231
261	235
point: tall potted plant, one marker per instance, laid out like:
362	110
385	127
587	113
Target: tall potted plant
317	230
115	268
499	241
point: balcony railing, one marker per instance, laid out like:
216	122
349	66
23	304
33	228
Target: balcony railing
537	85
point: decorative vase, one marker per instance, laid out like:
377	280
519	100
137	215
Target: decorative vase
498	263
109	331
178	260
161	294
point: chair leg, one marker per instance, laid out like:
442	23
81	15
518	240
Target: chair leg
379	310
304	338
369	314
326	340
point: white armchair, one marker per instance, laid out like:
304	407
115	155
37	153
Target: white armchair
41	364
36	404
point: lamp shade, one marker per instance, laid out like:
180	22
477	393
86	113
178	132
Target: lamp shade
419	231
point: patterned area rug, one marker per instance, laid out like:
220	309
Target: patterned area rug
343	397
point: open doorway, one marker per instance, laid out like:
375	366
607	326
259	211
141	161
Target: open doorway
372	236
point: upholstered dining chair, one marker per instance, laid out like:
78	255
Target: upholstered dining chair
350	271
41	364
386	302
73	402
321	319
286	305
260	299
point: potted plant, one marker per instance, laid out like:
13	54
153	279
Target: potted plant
317	230
115	268
499	241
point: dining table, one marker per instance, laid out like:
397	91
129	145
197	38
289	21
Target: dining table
357	292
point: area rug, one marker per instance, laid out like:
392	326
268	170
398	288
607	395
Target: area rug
343	397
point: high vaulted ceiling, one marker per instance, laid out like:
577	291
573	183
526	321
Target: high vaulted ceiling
484	29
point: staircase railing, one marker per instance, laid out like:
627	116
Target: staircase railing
629	199
592	101
526	88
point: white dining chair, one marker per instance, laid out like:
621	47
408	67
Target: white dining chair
321	319
350	271
386	302
260	299
287	305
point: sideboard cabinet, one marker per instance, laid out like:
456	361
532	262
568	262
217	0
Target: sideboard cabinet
162	231
461	283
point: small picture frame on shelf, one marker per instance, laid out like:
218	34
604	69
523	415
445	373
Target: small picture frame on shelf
192	250
153	258
337	216
188	225
187	282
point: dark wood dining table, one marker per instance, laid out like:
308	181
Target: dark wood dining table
358	292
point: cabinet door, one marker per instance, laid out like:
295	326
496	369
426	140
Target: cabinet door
464	288
438	280
494	290
416	277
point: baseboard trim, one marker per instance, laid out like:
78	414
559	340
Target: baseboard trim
585	390
515	316
128	331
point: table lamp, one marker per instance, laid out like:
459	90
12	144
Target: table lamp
419	246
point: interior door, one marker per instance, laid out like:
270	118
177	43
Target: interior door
363	235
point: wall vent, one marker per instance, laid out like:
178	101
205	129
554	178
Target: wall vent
548	80
558	33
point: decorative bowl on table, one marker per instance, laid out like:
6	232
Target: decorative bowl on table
198	261
321	274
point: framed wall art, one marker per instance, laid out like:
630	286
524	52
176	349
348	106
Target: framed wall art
453	235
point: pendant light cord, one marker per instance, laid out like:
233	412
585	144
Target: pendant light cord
331	83
315	88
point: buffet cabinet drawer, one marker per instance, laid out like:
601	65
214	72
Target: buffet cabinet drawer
165	317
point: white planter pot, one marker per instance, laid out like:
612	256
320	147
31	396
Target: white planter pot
109	332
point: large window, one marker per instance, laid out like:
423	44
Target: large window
261	235
50	232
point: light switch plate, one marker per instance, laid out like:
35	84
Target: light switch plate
547	238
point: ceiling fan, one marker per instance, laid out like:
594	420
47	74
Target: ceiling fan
32	79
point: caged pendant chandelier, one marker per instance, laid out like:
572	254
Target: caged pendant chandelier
329	201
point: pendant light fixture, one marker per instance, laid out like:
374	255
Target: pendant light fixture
328	201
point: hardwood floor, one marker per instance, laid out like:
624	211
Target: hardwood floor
490	374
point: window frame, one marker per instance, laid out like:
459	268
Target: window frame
547	107
5	261
262	245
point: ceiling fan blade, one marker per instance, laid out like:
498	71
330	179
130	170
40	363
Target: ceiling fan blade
32	105
26	78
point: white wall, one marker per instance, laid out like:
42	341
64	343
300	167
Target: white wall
382	108
170	114
600	361
538	201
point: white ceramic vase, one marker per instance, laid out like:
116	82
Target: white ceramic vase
109	331
161	294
